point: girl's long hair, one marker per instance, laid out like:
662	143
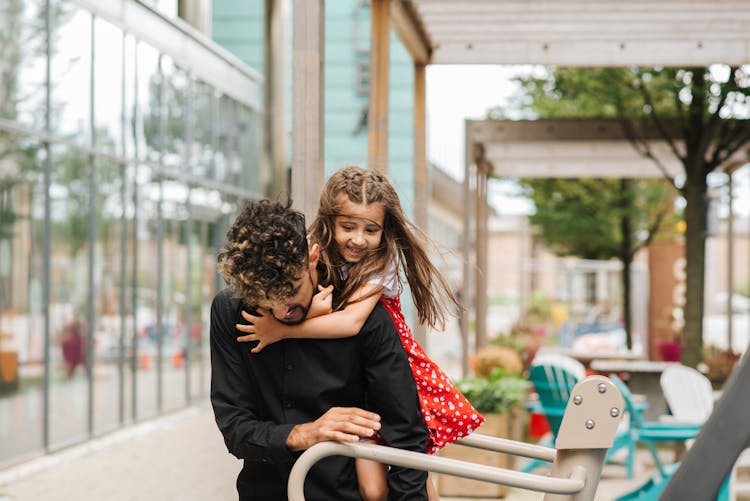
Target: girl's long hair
402	244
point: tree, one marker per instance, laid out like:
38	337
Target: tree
701	113
599	219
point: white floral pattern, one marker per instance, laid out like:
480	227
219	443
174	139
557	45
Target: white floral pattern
439	400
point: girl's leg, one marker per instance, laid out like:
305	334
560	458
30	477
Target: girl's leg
373	485
432	493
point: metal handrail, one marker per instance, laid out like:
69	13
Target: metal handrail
420	461
586	432
507	446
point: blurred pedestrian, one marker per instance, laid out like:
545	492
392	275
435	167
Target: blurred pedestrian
73	343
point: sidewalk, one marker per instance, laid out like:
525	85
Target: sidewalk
180	456
177	457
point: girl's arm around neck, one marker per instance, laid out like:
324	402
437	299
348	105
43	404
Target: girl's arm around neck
346	322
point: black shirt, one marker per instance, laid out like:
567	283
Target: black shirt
258	398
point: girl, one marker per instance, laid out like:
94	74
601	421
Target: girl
365	239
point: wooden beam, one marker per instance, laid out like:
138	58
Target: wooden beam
377	118
572	148
308	98
575	51
409	29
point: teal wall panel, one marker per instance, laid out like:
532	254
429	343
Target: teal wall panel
237	25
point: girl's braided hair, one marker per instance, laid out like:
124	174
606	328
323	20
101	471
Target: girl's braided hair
402	245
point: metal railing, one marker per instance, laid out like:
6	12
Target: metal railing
587	431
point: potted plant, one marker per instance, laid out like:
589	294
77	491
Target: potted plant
499	392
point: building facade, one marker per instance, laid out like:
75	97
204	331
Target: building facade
127	143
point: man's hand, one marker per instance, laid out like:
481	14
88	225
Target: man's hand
345	424
264	328
322	302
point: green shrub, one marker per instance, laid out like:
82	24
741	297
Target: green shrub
497	393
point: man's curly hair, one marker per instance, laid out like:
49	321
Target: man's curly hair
266	251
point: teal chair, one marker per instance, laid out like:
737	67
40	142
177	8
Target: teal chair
651	433
553	377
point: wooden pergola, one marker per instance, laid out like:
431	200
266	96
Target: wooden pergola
590	33
550	32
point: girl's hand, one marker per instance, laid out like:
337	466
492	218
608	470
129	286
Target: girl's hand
322	302
265	329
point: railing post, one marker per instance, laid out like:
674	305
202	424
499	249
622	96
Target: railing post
588	428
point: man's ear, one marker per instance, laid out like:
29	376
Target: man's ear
314	255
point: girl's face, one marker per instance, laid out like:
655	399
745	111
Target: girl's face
358	228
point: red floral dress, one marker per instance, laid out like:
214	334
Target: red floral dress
448	414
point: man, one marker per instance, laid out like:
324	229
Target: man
272	405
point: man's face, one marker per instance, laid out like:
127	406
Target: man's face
293	308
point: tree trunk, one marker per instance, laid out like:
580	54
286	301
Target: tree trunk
695	255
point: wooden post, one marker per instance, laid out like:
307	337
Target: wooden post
484	169
377	121
467	244
196	13
308	91
422	191
730	260
274	133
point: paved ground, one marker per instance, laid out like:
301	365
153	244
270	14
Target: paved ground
180	456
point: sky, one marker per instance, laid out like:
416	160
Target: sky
459	92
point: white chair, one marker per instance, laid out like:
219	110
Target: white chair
688	393
691	399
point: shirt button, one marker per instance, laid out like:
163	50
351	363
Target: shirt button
288	404
289	367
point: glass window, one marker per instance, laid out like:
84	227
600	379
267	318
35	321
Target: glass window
109	330
129	292
226	161
23	62
148	103
147	297
175	90
207	230
174	294
69	305
71	73
21	319
108	86
130	133
202	147
249	149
